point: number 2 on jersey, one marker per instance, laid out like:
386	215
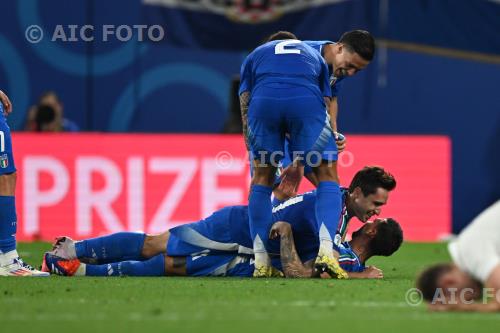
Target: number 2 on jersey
280	47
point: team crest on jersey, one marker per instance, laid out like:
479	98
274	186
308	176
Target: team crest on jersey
4	161
244	11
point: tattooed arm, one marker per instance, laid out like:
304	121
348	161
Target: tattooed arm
244	101
290	260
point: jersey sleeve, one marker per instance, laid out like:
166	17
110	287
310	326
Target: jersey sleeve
246	75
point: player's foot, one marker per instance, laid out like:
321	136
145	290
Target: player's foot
263	271
12	265
64	247
60	266
325	264
276	273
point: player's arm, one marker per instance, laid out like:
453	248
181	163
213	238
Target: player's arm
491	289
290	260
4	99
333	110
370	272
244	101
244	93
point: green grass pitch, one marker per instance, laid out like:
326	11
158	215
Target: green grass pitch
179	304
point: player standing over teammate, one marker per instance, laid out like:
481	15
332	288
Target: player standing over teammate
10	263
352	53
285	89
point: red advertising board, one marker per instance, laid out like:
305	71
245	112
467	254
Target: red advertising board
85	185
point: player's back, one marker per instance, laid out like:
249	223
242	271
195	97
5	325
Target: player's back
284	62
477	248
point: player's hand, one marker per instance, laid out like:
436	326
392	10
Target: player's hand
373	272
7	105
280	228
290	179
340	140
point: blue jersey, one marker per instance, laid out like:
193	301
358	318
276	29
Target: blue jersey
208	242
285	62
349	260
6	155
335	83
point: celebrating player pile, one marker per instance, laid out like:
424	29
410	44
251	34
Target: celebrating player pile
220	245
285	88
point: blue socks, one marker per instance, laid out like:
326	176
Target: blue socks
328	208
151	267
116	247
8	224
260	215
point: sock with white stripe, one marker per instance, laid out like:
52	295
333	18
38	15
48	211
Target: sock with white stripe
328	208
151	267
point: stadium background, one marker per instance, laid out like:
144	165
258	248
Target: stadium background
436	73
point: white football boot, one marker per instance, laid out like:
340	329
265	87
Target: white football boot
12	265
64	247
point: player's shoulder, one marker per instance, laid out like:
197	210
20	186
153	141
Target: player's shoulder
346	252
317	44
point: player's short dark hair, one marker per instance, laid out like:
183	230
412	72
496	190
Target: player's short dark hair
370	178
361	42
427	281
281	35
388	238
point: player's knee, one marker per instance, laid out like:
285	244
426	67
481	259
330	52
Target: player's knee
8	184
154	245
326	171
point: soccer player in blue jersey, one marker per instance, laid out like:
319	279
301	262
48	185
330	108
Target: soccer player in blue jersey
217	246
284	89
225	235
10	262
352	53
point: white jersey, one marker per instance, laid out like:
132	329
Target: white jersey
477	249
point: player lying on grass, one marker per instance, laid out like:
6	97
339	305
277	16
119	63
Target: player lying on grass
365	196
367	193
187	251
474	274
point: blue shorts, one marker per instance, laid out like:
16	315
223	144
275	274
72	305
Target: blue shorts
274	112
286	161
210	248
6	156
207	264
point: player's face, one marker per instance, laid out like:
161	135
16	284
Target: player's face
460	284
367	206
348	63
368	228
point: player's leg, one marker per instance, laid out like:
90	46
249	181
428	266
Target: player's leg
159	265
100	250
313	139
154	266
10	263
266	140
